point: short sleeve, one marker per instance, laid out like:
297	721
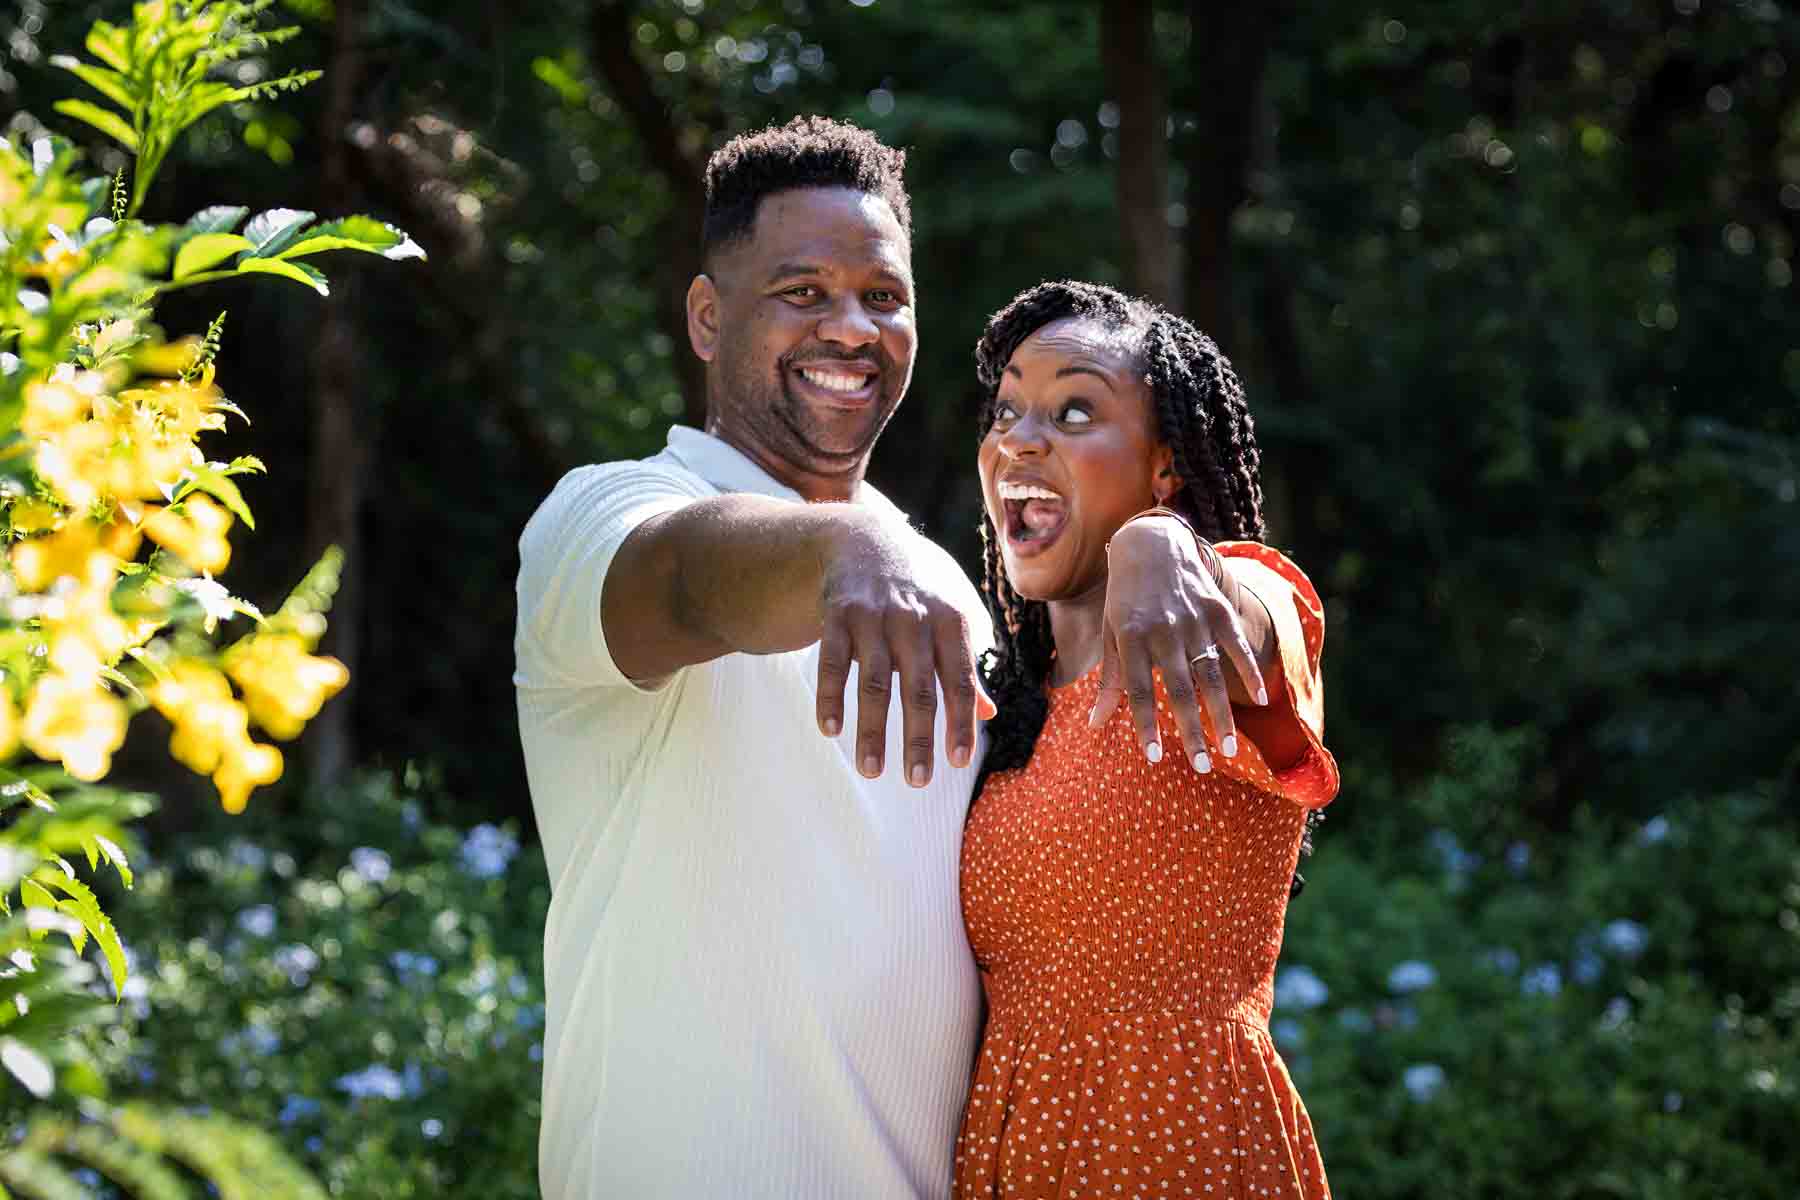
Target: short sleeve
1299	618
564	554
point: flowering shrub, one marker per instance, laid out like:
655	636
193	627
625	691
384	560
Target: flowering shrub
362	982
116	515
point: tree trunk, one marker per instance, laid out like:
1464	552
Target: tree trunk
335	474
1227	56
610	40
1128	53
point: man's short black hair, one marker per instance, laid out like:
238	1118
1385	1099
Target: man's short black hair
808	151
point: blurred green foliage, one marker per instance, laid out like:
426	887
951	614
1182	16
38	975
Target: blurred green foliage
1512	290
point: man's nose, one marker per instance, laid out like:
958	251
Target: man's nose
848	324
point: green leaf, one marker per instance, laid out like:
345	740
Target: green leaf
220	218
214	483
203	99
103	119
298	272
82	905
114	854
111	45
111	84
15	788
246	464
30	1068
273	230
34	895
208	250
351	233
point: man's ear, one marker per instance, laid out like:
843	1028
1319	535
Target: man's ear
703	317
1164	482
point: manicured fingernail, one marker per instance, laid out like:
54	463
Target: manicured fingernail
1229	745
832	725
871	766
1202	763
959	757
1262	695
918	775
1153	752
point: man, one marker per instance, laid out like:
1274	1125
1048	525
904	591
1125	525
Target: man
757	978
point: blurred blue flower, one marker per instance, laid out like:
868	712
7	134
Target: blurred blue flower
1627	939
87	1177
529	1016
1618	1011
297	962
1450	853
314	1144
1545	979
246	854
537	1052
372	864
1655	830
1355	1020
1502	959
409	965
1396	1016
1423	1080
1288	1033
431	1127
1518	857
1298	988
297	1108
1587	968
374	1080
1411	976
487	850
261	1039
258	920
1671	1102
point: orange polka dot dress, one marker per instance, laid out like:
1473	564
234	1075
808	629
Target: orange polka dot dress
1126	917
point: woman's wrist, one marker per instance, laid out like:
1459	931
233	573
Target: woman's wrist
1160	510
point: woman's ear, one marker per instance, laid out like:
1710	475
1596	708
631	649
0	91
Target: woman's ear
1164	482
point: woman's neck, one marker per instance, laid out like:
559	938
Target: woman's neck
1077	627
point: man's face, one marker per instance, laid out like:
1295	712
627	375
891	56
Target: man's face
815	336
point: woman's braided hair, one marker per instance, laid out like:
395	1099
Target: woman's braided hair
1201	415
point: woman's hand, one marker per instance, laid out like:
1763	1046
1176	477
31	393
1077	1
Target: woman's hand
1171	605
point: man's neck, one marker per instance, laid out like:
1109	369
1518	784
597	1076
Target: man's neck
813	488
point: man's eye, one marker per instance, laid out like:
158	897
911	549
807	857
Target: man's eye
885	297
805	291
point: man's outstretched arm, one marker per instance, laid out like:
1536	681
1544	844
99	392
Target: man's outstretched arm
757	575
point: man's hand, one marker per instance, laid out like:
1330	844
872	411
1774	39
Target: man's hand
875	614
1172	606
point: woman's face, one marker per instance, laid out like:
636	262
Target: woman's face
1073	453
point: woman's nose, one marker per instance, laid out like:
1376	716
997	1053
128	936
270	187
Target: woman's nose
1024	438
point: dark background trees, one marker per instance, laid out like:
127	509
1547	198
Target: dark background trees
1511	286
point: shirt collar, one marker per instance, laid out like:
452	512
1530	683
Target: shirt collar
730	470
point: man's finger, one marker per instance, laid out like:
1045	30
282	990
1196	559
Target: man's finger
1184	701
834	673
1111	675
917	663
874	685
962	688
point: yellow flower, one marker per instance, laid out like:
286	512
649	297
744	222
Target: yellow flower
32	515
207	720
196	533
83	550
284	686
76	722
56	403
9	723
245	767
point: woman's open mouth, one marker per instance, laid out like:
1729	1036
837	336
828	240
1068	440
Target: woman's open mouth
1035	516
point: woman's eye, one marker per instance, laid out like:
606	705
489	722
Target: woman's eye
1076	414
1004	412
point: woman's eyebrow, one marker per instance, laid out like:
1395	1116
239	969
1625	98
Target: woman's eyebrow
1083	369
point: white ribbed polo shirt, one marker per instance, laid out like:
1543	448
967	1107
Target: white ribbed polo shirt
757	979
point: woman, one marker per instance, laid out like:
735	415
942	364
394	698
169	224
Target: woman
1126	906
